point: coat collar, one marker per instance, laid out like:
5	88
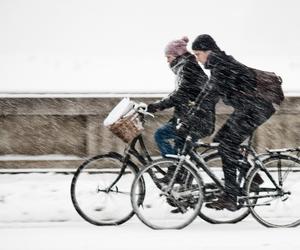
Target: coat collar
179	62
215	58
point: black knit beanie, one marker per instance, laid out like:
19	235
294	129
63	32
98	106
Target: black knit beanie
205	42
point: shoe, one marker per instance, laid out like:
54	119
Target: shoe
176	211
211	185
223	202
258	180
180	178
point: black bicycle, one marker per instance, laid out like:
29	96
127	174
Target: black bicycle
273	203
100	188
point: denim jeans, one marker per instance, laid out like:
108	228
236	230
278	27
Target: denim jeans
162	137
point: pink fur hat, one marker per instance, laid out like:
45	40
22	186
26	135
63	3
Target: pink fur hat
177	47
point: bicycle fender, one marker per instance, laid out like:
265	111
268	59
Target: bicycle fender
121	157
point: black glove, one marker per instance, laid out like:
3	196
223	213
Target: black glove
152	108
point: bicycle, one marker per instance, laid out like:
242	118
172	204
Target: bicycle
274	167
100	187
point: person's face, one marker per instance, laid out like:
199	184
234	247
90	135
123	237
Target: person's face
170	58
201	55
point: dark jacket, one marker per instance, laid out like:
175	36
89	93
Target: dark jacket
234	83
190	81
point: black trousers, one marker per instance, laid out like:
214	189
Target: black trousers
239	126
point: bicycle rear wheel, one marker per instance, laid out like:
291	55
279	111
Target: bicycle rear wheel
276	208
211	191
165	205
100	190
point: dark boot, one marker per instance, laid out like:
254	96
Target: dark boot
223	202
258	180
180	178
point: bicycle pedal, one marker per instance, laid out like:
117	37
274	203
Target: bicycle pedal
211	201
177	211
257	205
98	209
207	205
210	186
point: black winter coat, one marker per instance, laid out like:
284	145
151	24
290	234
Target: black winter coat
234	83
190	81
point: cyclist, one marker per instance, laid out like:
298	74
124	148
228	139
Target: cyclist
190	81
235	84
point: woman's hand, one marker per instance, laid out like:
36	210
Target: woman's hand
152	108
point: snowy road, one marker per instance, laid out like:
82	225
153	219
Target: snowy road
134	235
36	213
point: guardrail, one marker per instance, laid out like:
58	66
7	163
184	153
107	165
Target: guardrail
37	127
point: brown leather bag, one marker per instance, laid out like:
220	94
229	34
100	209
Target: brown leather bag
269	86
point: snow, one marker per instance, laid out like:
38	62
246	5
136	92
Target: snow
83	95
102	95
48	157
36	197
121	109
36	213
133	235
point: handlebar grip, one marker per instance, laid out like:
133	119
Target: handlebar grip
148	113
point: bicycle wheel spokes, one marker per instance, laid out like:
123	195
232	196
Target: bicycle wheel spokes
99	194
277	207
167	206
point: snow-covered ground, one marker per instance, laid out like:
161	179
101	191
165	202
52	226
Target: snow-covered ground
133	235
36	197
36	213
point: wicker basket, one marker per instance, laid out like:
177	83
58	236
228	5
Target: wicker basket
127	128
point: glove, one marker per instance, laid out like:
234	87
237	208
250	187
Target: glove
152	108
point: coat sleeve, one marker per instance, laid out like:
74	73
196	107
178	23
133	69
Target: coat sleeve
210	92
201	120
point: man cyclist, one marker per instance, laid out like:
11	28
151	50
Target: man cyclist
235	84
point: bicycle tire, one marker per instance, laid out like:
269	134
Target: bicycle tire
89	195
287	206
157	207
219	216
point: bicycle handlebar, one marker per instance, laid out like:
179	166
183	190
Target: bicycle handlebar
141	108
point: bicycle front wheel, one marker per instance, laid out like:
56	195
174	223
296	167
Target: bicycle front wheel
276	207
100	190
171	199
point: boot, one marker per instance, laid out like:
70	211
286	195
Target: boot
223	202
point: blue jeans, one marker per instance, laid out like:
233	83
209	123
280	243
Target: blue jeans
162	137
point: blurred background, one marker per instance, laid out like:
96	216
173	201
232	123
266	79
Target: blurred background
92	46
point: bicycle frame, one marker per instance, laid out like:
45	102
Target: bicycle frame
144	157
258	163
131	150
188	151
